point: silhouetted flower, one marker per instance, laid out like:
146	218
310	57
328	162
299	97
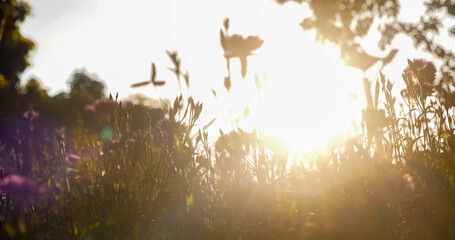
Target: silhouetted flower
30	114
422	69
72	159
21	189
102	107
238	46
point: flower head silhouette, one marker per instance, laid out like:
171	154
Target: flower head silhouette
238	46
421	69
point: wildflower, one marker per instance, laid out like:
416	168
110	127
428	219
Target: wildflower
102	107
21	189
238	46
82	151
30	114
72	159
422	69
90	109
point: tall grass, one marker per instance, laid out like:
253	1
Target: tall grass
393	177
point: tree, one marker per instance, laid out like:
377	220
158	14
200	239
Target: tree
343	22
14	48
85	87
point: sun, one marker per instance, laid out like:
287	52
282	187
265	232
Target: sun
308	94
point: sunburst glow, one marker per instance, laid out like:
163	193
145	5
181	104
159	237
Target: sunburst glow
307	94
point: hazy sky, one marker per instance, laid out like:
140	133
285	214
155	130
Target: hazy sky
307	83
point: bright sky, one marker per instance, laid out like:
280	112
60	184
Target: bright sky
307	96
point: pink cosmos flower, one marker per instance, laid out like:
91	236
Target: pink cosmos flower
21	189
72	159
102	107
30	114
90	109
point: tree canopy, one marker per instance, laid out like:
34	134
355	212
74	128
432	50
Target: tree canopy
344	22
14	47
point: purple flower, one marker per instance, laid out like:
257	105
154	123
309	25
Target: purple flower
102	107
30	114
422	69
72	159
21	189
